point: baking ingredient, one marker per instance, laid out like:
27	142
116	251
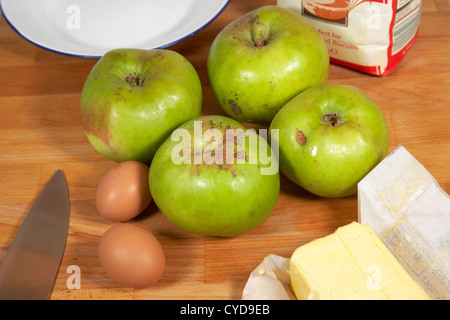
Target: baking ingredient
369	36
133	99
260	61
210	177
330	137
123	192
351	263
131	255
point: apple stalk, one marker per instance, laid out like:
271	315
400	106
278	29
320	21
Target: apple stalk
258	34
332	119
134	79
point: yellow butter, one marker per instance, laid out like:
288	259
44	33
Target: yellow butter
352	263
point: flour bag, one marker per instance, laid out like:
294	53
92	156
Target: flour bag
369	36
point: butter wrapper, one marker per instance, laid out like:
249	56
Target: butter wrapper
270	280
410	213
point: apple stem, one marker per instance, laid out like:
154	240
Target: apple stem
134	79
332	119
259	43
258	32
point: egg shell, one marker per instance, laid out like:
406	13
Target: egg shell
131	255
123	193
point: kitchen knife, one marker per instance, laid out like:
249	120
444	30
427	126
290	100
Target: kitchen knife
29	268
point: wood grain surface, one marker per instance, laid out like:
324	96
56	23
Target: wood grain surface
41	131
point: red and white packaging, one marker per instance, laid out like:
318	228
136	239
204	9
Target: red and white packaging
369	36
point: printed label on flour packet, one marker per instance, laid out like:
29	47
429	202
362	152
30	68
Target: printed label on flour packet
370	36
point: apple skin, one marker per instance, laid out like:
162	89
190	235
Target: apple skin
252	82
126	117
221	200
324	159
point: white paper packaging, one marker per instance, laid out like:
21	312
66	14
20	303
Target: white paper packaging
371	36
410	213
270	280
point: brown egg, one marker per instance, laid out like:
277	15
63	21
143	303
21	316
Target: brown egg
131	255
123	192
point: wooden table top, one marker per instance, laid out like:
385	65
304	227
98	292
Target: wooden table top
41	131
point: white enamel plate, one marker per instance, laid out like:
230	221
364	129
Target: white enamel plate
90	28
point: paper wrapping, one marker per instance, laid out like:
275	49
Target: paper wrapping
409	212
270	280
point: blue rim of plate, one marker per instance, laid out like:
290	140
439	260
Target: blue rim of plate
98	57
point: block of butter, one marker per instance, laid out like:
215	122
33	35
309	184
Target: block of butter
352	263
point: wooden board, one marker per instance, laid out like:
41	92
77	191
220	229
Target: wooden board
41	131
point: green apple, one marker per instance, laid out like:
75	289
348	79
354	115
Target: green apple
330	137
213	177
133	99
262	60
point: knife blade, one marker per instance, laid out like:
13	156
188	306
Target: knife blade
29	268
